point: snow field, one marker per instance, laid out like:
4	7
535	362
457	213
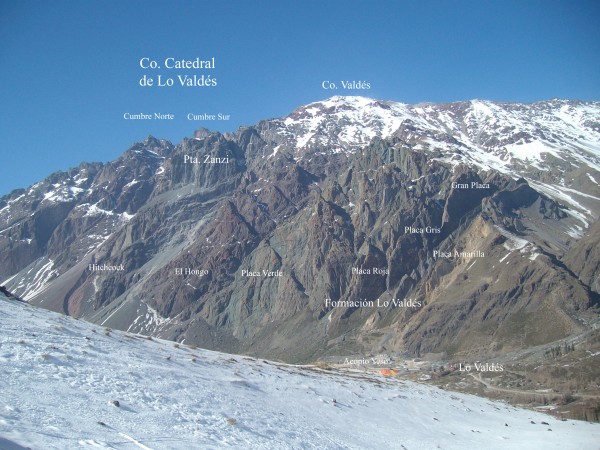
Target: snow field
60	376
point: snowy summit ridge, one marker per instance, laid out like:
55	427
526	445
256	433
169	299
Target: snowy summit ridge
505	130
550	143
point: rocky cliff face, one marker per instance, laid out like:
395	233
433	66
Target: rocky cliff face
352	225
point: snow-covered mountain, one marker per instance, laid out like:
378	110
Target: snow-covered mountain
68	384
506	130
554	144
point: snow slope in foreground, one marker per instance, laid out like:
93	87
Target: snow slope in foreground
58	377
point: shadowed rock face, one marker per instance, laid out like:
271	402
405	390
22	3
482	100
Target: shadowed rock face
584	258
248	243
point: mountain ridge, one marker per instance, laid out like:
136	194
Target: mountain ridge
308	196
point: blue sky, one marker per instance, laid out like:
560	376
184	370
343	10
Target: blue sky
70	70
